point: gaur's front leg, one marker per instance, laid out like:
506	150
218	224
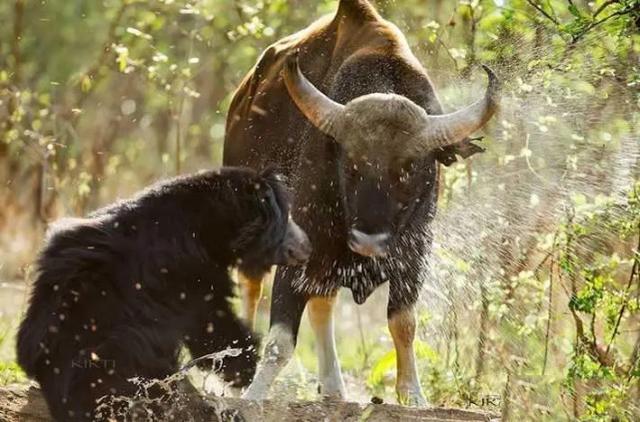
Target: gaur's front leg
287	307
402	326
320	310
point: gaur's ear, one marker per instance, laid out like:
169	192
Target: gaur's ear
464	149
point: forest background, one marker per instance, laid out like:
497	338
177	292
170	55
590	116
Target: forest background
532	298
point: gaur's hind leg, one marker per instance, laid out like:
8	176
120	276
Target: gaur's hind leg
287	307
402	326
321	318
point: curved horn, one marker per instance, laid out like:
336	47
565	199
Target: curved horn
447	129
321	110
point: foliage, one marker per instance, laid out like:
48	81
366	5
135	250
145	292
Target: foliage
11	373
535	290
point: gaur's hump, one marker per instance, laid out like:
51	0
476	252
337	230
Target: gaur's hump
360	10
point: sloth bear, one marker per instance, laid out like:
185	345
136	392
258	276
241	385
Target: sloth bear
117	294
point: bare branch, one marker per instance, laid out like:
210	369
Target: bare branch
18	29
239	10
623	307
549	311
604	6
446	49
93	72
544	13
635	357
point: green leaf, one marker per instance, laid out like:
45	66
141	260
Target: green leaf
574	11
424	351
382	366
86	83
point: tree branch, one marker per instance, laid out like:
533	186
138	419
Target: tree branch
92	72
544	13
26	403
16	78
604	6
633	360
623	307
592	25
549	314
18	29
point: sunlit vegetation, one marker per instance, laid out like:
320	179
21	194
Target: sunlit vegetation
532	307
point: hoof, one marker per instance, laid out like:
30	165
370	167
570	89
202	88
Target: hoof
332	395
412	399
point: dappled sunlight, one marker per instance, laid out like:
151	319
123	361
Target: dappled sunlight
531	299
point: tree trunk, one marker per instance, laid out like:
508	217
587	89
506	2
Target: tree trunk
25	404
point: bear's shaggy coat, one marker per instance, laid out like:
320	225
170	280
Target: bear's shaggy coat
118	293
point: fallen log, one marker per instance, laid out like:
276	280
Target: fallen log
24	403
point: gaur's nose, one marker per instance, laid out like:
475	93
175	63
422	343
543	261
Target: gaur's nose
371	245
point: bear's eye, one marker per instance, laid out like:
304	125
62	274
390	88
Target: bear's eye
266	196
266	193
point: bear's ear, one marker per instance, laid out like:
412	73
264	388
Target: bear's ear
258	188
248	189
278	183
260	193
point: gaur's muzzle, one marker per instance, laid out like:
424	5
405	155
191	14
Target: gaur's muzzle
370	245
296	247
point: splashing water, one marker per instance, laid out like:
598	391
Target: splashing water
170	398
565	139
548	147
